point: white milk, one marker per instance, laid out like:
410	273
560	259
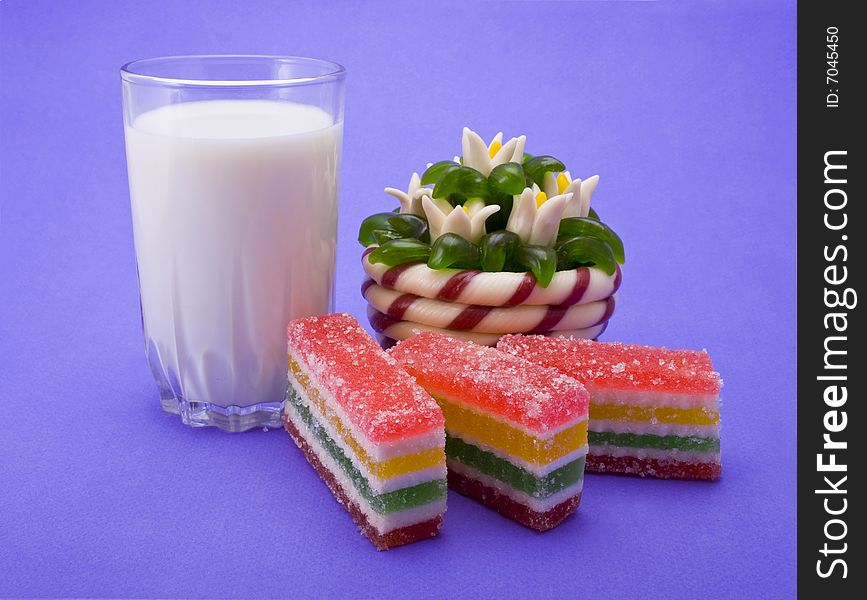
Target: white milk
234	206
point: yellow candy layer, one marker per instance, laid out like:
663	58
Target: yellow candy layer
470	425
399	465
541	197
659	414
562	183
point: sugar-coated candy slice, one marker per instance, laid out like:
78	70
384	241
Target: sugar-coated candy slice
653	412
368	429
516	431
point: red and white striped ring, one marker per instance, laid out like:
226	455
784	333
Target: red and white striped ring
486	319
390	330
576	286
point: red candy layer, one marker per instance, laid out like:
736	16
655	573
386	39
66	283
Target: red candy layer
612	365
395	537
651	467
540	521
536	397
378	397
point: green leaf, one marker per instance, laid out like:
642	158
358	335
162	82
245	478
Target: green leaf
540	260
384	235
536	167
497	249
398	252
508	178
586	227
404	225
586	251
499	220
527	156
592	214
451	250
408	225
460	183
368	225
437	170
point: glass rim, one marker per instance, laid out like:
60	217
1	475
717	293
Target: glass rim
130	72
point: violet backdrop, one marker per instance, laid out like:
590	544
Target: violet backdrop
687	112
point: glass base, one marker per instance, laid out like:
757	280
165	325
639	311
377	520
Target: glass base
228	418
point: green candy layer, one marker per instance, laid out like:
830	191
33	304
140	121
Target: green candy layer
515	476
390	502
660	442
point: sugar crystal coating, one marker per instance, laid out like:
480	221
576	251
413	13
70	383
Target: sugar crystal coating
620	366
379	398
538	398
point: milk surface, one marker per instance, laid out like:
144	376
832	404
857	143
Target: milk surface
234	206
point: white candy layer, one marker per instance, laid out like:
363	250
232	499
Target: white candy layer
378	451
640	428
652	399
382	523
516	495
654	453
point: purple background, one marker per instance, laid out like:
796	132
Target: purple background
687	111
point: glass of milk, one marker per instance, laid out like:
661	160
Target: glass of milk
233	164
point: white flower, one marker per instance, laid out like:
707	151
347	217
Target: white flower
483	158
467	221
581	191
536	218
410	200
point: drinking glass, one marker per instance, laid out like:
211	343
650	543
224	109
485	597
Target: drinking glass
233	166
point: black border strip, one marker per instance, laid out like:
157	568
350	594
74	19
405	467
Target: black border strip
831	558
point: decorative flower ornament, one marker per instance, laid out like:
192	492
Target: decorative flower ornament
536	218
563	183
410	200
483	158
494	209
467	221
